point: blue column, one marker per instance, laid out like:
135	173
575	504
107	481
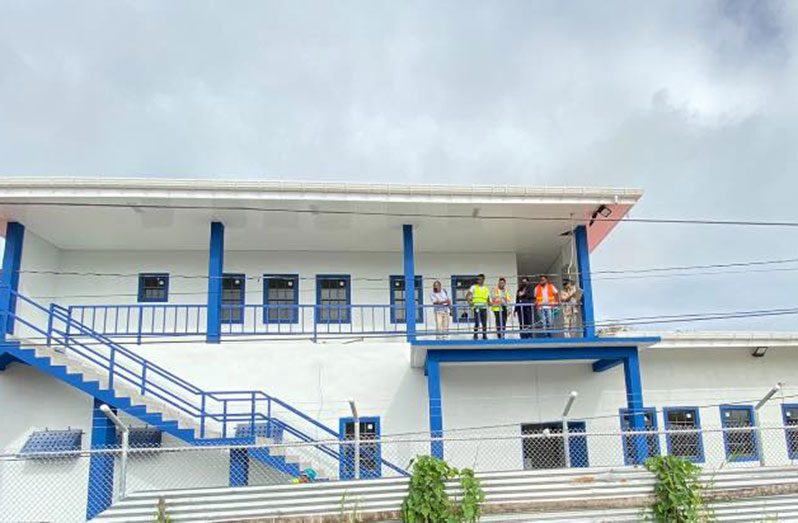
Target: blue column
9	278
410	282
435	405
634	402
585	283
215	272
101	466
239	468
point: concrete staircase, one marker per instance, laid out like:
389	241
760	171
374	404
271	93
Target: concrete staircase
550	495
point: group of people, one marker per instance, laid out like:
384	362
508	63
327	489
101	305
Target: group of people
535	306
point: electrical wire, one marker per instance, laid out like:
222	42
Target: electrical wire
469	216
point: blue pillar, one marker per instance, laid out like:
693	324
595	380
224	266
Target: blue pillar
9	278
101	466
634	403
410	282
215	273
585	283
435	405
239	468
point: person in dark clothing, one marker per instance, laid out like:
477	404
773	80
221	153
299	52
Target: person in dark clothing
524	307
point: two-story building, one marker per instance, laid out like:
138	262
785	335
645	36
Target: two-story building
203	309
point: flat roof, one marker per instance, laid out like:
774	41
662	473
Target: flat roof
169	214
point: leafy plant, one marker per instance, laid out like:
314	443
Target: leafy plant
427	500
161	516
679	493
349	512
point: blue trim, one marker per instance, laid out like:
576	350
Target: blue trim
530	354
101	466
697	417
602	365
626	441
144	299
790	434
346	464
433	371
634	402
344	308
410	281
458	310
242	298
585	281
7	359
754	456
565	343
9	278
419	284
215	271
295	302
239	468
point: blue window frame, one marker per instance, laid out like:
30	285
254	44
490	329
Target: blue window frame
690	445
652	441
397	290
233	298
789	412
52	444
141	437
333	298
461	310
370	453
546	452
739	438
153	287
280	298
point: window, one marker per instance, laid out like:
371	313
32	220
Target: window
141	437
333	297
652	441
233	292
397	290
280	298
688	445
460	286
790	414
153	287
48	444
370	453
739	439
547	452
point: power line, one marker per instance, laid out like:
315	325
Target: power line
470	216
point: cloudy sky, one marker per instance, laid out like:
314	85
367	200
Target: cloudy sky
693	101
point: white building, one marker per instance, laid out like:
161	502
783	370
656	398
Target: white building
216	304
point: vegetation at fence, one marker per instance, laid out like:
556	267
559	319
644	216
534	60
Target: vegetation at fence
679	493
349	511
427	500
161	516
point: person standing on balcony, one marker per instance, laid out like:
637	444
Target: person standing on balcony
441	303
500	297
478	296
523	307
546	299
570	297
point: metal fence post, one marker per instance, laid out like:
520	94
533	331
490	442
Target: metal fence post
356	422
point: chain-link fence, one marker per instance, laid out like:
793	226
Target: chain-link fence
68	486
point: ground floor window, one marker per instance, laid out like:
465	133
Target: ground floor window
547	450
652	441
790	412
739	438
688	445
370	449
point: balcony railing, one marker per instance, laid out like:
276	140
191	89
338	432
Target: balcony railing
145	320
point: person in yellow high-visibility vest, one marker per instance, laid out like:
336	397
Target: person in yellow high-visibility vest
478	296
500	298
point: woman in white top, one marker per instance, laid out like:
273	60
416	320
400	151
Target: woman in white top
441	302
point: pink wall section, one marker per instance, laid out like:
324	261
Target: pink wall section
600	229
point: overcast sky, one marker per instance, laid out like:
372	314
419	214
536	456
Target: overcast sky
694	102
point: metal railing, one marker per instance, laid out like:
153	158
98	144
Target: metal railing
147	320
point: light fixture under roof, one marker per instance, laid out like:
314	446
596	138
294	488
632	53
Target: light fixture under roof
758	352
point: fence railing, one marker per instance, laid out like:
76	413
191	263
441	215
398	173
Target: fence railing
143	320
51	487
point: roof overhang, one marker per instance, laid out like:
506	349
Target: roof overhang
715	340
157	214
